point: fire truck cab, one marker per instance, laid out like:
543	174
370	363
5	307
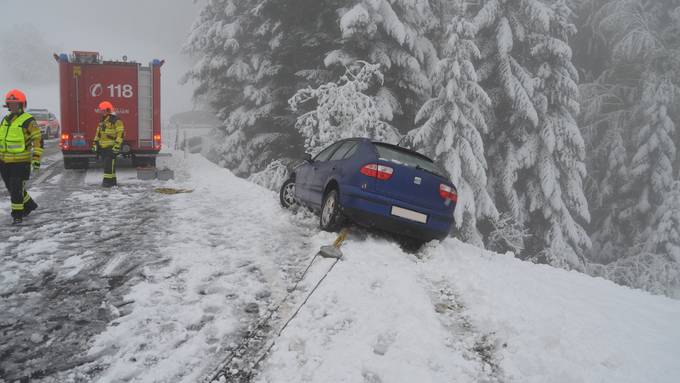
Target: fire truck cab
133	89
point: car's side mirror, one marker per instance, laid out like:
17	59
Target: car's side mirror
308	158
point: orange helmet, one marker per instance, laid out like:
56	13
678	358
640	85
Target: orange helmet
104	105
15	95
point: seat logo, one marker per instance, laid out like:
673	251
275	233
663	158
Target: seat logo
417	180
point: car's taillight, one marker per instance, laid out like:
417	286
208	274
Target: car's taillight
157	141
380	172
63	143
447	192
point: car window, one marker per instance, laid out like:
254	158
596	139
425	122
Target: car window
342	151
351	151
323	156
406	157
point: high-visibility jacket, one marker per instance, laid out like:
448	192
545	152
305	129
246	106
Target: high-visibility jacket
109	131
20	139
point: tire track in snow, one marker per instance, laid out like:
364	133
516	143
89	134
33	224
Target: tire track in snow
464	337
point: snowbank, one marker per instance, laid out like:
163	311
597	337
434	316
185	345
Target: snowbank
463	313
561	326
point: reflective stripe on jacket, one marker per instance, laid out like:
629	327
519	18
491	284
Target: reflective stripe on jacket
109	131
20	139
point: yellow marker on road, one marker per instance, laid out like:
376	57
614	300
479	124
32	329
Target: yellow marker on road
172	190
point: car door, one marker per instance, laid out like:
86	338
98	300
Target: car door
318	174
305	173
338	160
302	173
331	169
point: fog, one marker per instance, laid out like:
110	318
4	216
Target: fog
140	29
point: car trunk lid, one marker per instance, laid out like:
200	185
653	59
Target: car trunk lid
414	180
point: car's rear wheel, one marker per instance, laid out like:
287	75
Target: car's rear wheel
331	212
287	194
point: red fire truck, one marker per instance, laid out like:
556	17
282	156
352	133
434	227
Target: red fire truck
133	89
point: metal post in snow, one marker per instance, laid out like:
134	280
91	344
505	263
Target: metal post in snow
176	136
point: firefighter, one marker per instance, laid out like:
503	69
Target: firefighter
107	141
20	150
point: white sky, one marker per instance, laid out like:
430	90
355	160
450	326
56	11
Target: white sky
141	29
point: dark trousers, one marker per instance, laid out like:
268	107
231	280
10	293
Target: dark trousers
109	160
15	177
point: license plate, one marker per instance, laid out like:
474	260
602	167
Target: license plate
78	140
409	214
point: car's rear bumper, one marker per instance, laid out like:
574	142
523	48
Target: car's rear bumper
369	209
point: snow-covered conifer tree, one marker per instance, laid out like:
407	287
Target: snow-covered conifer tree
452	127
607	110
536	148
630	119
665	239
342	110
608	170
253	55
627	112
393	34
651	174
234	75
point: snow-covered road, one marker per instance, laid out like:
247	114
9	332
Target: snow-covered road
228	259
128	285
64	271
120	284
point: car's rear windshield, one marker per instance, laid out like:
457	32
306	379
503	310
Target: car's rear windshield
405	157
39	116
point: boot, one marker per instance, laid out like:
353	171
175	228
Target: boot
109	182
17	220
29	207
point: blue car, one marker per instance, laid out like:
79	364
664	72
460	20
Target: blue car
374	184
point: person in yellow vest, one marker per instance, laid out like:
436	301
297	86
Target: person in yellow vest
107	141
20	150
